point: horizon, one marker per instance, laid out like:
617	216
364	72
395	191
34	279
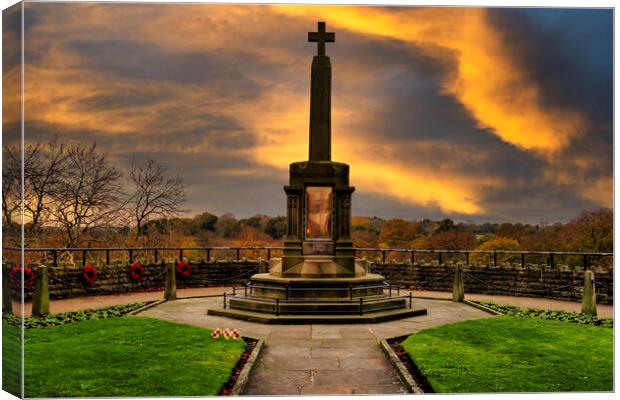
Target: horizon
480	114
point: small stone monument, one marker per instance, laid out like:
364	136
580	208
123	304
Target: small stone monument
318	278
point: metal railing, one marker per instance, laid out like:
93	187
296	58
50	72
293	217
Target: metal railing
277	301
383	254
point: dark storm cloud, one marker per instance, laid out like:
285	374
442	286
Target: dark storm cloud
204	105
133	60
569	52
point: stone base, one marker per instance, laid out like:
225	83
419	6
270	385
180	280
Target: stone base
319	267
296	299
371	317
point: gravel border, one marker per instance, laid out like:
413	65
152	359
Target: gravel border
244	376
401	369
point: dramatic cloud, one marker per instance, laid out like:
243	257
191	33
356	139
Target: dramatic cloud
485	114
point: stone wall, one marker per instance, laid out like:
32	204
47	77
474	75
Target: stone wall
532	281
67	282
512	280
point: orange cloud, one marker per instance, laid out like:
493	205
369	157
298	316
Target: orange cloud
486	81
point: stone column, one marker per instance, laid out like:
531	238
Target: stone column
7	301
171	283
588	303
458	286
320	109
41	297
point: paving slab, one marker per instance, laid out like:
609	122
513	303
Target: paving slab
320	358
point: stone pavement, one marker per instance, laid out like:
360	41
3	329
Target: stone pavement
319	359
83	303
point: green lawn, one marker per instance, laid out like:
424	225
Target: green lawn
11	359
514	354
127	356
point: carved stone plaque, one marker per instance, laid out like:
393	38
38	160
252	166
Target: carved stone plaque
318	248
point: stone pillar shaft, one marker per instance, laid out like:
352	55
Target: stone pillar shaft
320	109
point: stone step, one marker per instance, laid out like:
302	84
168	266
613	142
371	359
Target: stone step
370	317
316	307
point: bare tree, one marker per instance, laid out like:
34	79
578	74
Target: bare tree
89	193
11	193
156	194
42	166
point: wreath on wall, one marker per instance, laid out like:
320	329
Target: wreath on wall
89	273
136	272
15	277
183	269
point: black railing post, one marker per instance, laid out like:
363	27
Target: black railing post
585	262
495	259
412	256
245	290
130	256
55	258
551	261
467	258
350	293
522	260
155	256
224	300
83	257
268	254
107	257
410	300
390	289
361	305
439	257
286	292
238	253
208	255
277	306
180	254
234	291
383	255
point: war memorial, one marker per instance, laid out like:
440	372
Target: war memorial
318	279
318	318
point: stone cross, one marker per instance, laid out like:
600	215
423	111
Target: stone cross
321	37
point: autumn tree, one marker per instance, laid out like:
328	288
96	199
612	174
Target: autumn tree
227	226
398	233
155	194
454	239
590	231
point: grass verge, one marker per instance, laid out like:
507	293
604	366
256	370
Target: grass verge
514	354
125	357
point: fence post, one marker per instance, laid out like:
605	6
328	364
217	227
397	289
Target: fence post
588	302
458	287
41	297
383	255
171	283
7	303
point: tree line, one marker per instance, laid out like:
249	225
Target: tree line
75	196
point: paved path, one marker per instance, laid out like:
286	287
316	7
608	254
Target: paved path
319	359
83	303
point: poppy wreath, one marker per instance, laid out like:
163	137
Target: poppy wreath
136	272
183	269
89	273
15	277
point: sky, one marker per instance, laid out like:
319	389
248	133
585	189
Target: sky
476	114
